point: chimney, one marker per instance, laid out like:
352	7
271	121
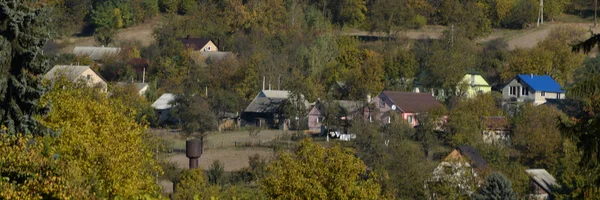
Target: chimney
531	76
188	37
472	79
263	88
368	98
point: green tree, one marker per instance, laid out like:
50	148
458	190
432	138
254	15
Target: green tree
313	172
195	114
571	177
496	186
467	119
551	56
128	95
537	137
401	68
348	12
468	16
23	34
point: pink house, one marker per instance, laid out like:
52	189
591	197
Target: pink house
347	111
405	104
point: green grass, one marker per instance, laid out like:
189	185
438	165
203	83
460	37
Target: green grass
568	18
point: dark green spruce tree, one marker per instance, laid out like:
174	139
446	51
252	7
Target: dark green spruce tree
496	187
23	33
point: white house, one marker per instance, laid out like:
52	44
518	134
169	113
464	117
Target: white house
162	106
532	88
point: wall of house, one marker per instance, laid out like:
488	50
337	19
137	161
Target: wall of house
95	79
383	108
539	99
519	96
414	121
473	91
494	136
210	46
313	116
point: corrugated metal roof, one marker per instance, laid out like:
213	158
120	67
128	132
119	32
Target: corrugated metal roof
542	178
274	94
71	72
163	102
541	83
265	105
96	53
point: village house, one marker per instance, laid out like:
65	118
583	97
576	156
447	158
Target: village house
198	44
346	111
162	107
470	85
496	130
267	109
96	53
463	167
407	104
532	88
141	88
76	73
541	184
475	84
203	50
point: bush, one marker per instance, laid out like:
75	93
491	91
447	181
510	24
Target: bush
524	12
419	21
215	173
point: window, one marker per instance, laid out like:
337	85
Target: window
382	103
410	119
513	90
89	77
208	48
543	94
524	91
320	119
557	95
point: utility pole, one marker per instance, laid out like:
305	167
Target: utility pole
541	14
452	36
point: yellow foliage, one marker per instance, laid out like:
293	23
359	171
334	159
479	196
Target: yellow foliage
99	143
28	170
315	172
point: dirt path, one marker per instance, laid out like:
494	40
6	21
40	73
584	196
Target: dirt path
141	33
526	38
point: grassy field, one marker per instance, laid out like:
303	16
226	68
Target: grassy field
216	140
233	159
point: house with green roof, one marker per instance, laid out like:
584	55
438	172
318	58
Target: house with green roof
469	86
532	88
474	84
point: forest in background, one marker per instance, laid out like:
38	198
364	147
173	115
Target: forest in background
292	44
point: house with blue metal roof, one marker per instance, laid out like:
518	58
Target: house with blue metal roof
532	88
